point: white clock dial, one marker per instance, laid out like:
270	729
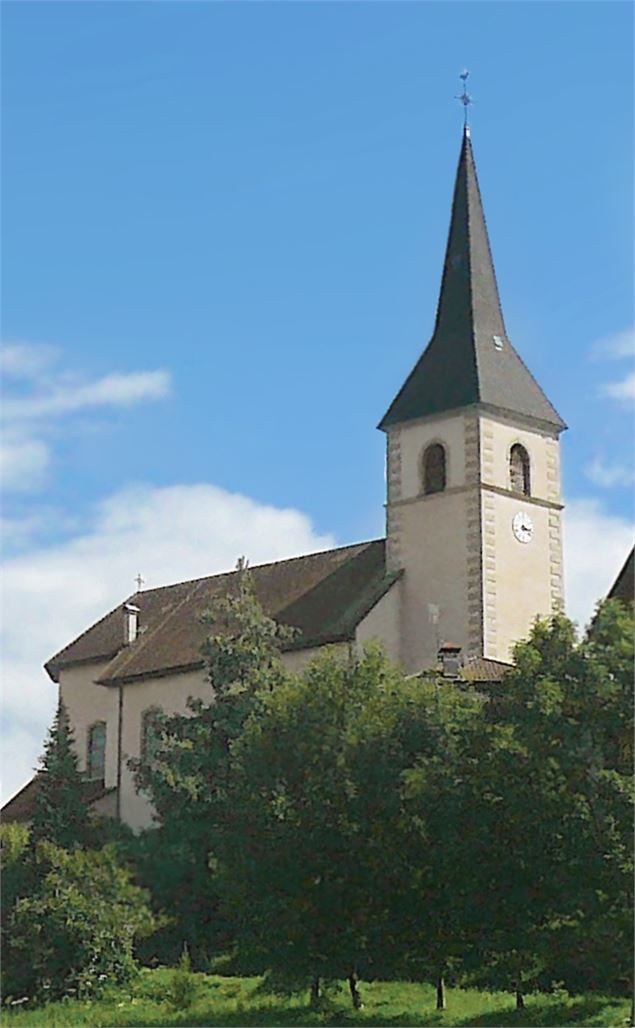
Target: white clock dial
522	527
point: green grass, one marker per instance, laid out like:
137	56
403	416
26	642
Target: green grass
233	1002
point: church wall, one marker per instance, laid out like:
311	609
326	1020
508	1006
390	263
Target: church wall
498	435
435	558
296	661
87	703
170	693
383	623
521	580
428	536
415	436
517	581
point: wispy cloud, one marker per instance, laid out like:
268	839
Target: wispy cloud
608	476
620	344
624	390
26	360
38	393
114	390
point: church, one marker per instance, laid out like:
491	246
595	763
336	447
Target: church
472	550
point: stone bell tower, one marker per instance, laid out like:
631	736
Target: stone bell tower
473	505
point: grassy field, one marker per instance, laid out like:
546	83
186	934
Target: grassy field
229	1002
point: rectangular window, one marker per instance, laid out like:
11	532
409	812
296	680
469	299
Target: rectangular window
96	757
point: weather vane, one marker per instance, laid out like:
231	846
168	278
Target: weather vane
140	581
464	97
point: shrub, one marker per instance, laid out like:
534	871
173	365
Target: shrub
75	931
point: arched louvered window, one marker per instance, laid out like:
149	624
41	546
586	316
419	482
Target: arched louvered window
96	751
150	733
434	469
519	471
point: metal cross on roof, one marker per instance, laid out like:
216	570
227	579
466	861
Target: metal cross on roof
140	581
464	97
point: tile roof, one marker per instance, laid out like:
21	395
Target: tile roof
475	670
484	669
463	364
324	595
21	807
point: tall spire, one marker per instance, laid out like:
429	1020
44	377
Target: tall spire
469	359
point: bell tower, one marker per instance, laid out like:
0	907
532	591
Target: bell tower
473	506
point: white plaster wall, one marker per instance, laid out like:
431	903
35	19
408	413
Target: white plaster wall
520	587
170	693
416	436
295	661
428	535
383	623
497	438
87	703
520	580
433	545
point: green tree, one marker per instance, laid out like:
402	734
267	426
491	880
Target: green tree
76	929
321	843
61	814
442	908
18	878
549	811
187	776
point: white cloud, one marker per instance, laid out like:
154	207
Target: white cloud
607	476
623	390
620	344
23	462
54	592
596	544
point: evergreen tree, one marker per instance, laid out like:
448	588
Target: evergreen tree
61	814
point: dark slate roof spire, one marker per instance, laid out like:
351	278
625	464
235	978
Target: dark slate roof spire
469	358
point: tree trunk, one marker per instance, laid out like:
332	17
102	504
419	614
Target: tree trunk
520	1002
315	993
355	993
440	993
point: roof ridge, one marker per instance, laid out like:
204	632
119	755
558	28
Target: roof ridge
466	150
254	567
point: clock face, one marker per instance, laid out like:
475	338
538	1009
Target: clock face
522	527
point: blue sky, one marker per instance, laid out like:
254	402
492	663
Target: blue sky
223	236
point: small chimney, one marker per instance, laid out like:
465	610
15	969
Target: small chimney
130	623
450	658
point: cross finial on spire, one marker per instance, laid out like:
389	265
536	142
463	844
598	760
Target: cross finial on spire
465	97
140	581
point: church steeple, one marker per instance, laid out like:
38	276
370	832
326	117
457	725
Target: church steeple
469	359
